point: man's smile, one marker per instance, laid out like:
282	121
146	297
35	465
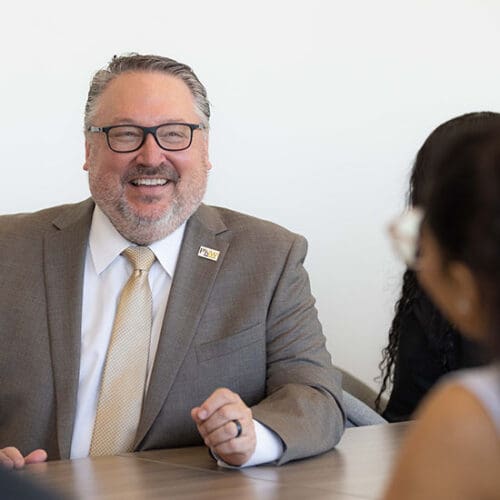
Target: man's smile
148	181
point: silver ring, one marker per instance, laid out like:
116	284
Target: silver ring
239	429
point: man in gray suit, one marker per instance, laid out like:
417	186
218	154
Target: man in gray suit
236	356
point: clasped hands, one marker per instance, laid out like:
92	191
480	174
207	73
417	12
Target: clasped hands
215	420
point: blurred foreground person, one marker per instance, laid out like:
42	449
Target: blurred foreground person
452	241
423	346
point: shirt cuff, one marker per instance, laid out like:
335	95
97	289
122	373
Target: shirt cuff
269	447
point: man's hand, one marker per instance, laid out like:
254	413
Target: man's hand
215	421
12	458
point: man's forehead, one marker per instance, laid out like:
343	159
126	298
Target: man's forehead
137	93
143	83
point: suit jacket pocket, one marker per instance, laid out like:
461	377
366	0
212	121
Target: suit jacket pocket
227	345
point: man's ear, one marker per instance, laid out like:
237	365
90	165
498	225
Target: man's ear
208	163
87	155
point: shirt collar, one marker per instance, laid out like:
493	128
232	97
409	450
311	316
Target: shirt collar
106	243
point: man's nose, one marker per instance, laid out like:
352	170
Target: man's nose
150	154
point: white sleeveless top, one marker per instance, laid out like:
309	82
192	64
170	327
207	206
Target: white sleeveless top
484	383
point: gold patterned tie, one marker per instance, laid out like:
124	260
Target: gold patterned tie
124	378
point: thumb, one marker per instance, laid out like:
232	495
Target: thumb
36	456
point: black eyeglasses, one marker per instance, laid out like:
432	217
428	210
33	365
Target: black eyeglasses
129	138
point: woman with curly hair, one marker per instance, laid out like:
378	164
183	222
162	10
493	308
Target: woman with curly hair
424	346
452	241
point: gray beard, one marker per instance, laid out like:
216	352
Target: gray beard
145	230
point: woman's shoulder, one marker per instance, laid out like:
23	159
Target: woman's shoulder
478	389
452	449
460	431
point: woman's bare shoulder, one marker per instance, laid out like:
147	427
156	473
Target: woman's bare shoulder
451	451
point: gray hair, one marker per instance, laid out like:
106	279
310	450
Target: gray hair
151	63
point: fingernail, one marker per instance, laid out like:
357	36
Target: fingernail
202	414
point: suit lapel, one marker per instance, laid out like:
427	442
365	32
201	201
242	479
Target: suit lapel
191	286
64	260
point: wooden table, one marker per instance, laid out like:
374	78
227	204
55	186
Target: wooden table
356	469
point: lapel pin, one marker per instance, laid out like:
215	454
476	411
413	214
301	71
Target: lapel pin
208	253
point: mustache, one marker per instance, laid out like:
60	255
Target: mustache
165	171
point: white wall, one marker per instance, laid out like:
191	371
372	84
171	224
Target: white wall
318	110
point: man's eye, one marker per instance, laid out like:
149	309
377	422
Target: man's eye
172	135
127	133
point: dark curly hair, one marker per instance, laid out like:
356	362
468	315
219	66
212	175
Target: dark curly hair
423	176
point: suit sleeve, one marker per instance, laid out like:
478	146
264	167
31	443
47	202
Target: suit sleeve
303	402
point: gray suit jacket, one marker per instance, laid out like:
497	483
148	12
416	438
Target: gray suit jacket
246	322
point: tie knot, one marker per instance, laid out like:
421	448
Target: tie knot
141	258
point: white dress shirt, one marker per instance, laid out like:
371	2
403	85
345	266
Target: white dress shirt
105	275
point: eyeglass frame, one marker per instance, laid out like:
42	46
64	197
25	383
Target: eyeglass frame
145	132
404	232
